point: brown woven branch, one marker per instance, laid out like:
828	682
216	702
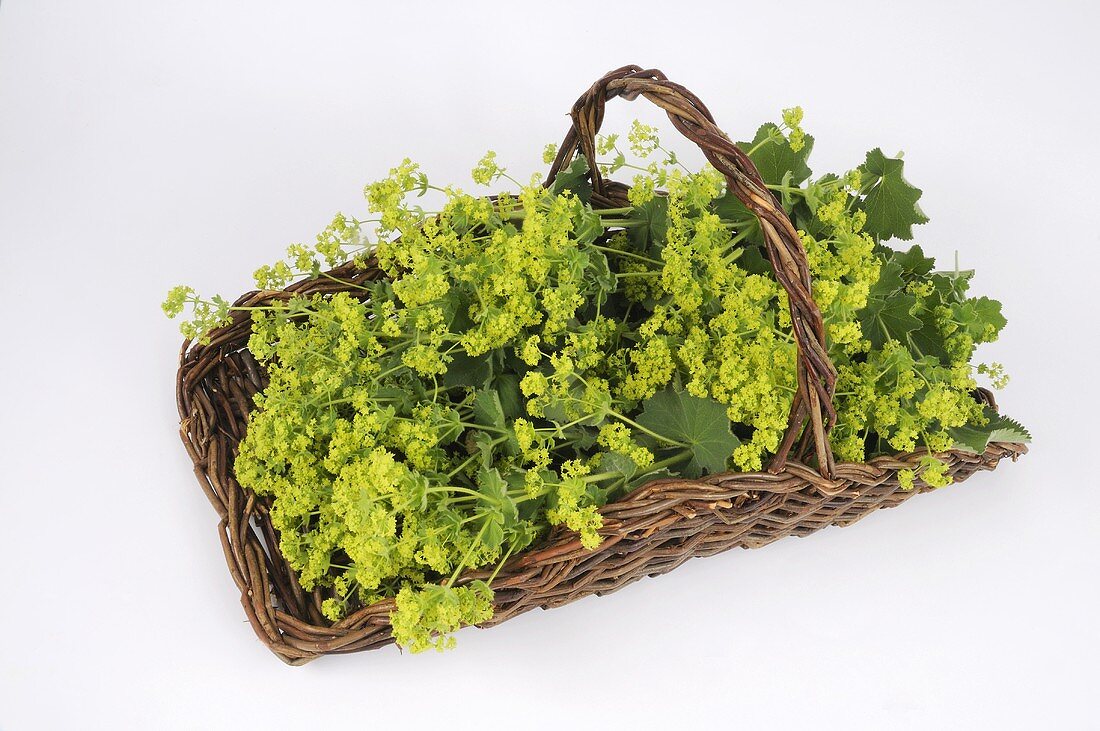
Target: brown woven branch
813	401
649	532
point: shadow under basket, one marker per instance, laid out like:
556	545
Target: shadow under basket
649	532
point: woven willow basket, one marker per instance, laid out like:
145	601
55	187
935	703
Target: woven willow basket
649	532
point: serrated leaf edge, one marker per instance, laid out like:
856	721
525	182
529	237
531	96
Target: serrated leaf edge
1009	430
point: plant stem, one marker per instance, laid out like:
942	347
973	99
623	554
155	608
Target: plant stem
639	427
462	564
629	254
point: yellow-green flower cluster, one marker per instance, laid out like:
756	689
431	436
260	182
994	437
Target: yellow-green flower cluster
424	619
792	120
618	438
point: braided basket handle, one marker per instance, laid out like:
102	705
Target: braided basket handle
816	375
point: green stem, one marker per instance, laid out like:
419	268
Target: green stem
345	282
667	462
462	564
763	142
462	466
482	427
639	427
676	159
629	254
741	235
559	429
785	188
618	166
455	488
501	564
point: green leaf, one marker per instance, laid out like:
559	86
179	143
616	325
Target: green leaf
456	310
495	489
730	208
890	201
529	509
818	192
623	466
889	283
977	314
449	428
492	485
774	157
414	486
482	443
400	399
599	273
575	261
700	424
913	261
583	439
493	535
753	261
927	340
975	438
969	438
574	178
653	216
949	288
562	410
587	226
488	410
1005	429
556	409
506	386
889	311
621	469
889	318
465	370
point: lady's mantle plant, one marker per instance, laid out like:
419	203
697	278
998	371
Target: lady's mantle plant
531	358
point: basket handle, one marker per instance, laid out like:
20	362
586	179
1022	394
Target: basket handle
813	401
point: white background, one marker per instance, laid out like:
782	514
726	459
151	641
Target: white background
148	144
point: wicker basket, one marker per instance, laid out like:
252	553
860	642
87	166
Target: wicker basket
649	532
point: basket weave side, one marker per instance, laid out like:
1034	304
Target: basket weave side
651	531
